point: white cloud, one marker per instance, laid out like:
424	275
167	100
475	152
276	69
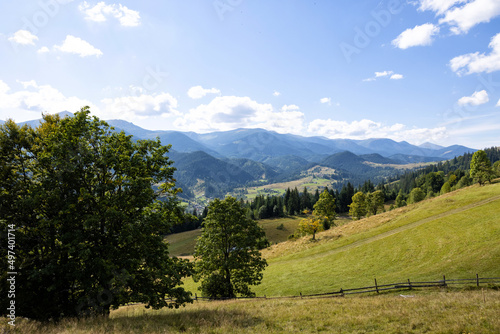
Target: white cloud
230	112
38	98
101	11
462	19
498	104
290	107
475	99
197	92
23	37
438	6
276	93
140	105
32	99
365	129
327	100
383	74
397	76
78	46
478	63
416	36
43	49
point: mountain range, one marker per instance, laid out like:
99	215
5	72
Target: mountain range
217	162
213	164
260	144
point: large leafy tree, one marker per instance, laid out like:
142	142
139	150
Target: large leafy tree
227	256
312	225
374	202
480	168
85	202
357	208
325	208
416	195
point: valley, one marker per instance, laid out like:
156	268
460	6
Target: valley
247	162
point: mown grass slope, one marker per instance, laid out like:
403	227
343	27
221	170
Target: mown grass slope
457	234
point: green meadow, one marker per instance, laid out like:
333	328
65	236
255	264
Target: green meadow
456	235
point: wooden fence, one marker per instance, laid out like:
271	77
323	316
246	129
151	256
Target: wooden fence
407	285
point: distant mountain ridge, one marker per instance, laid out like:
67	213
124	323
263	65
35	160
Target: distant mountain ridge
261	145
213	164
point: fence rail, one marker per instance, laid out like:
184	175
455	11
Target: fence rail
408	285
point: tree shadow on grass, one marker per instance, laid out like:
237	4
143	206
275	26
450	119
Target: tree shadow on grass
182	321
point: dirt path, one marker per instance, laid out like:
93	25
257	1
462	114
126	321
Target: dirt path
408	227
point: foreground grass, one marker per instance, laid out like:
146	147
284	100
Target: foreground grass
432	311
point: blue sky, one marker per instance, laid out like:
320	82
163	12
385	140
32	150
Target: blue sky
420	71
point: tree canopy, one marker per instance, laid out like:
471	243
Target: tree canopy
325	206
90	207
480	168
357	208
311	225
227	256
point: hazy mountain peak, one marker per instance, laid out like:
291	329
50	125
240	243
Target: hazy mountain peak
431	146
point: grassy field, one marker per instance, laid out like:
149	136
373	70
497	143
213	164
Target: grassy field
456	235
310	182
426	311
182	244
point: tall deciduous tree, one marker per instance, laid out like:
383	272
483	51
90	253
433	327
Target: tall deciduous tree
325	207
416	195
496	168
375	201
311	225
86	205
227	256
357	208
480	168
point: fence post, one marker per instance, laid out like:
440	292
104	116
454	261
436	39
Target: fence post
409	284
301	295
444	281
477	280
376	286
342	292
195	297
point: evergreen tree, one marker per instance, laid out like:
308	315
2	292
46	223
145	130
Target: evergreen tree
400	200
305	200
345	197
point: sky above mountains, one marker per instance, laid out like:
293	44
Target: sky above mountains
421	71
